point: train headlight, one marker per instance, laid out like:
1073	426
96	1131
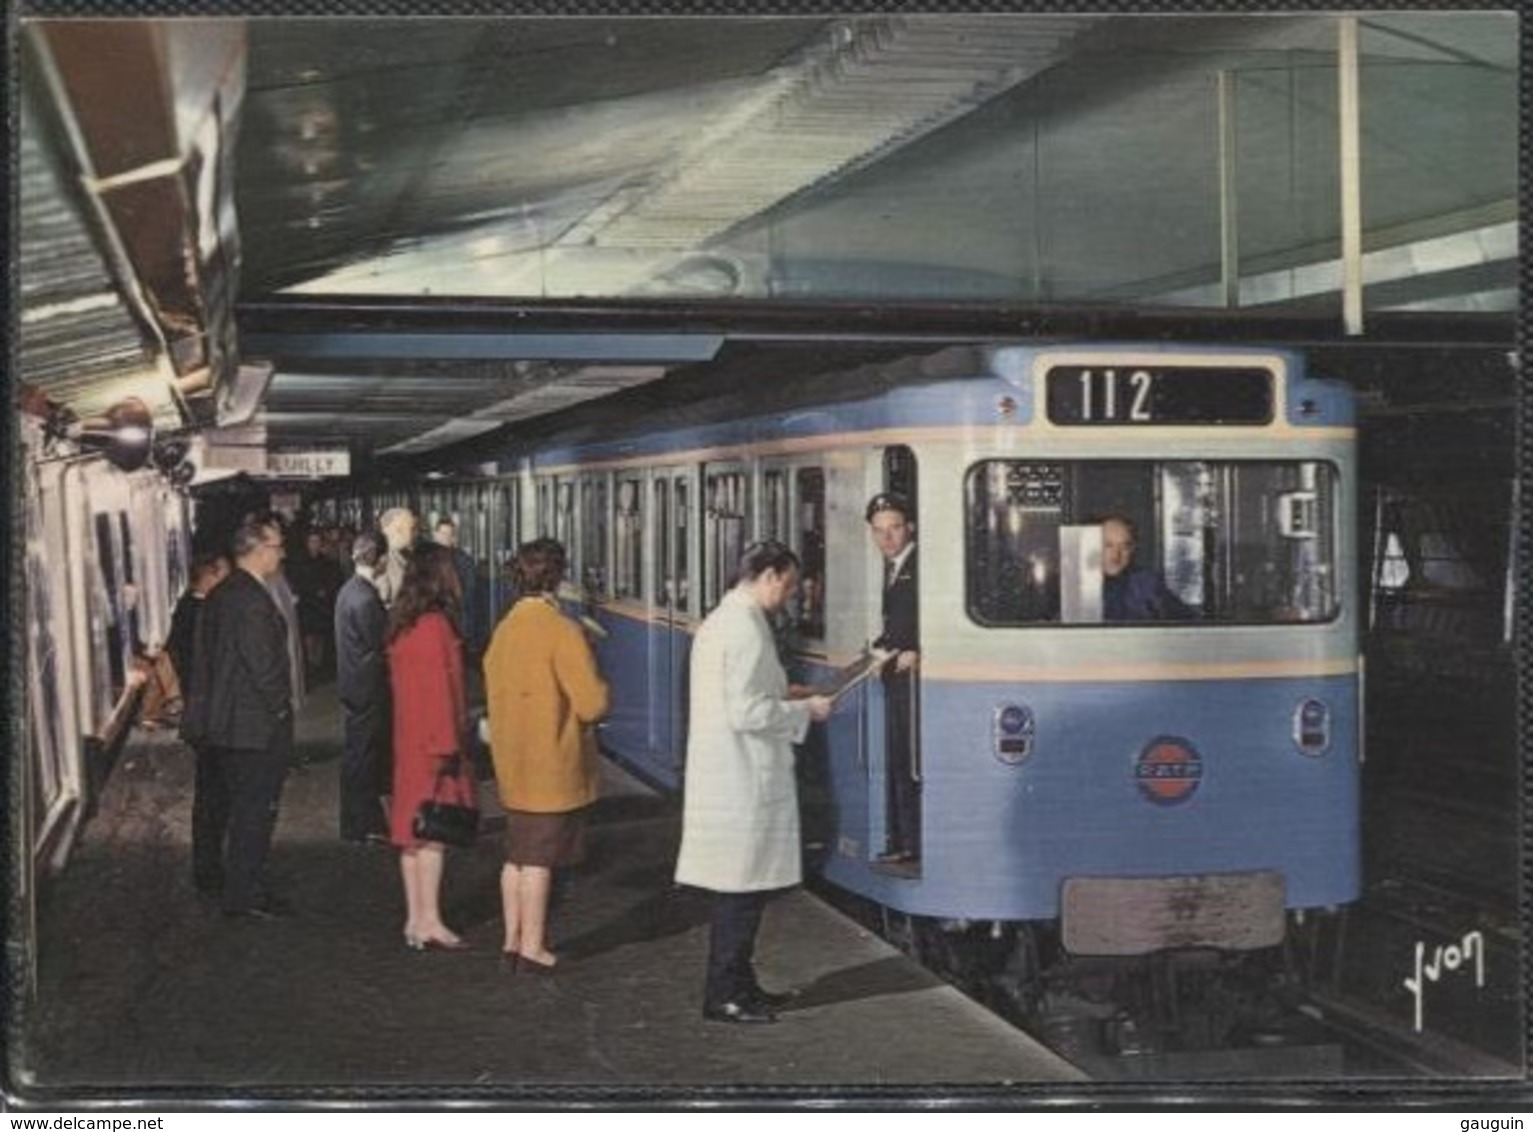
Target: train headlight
1012	731
1312	727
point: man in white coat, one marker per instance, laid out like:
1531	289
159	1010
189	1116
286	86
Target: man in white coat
740	833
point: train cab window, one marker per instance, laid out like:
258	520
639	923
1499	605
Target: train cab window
725	532
1140	542
628	540
809	540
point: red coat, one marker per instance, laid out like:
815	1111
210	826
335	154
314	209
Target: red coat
430	718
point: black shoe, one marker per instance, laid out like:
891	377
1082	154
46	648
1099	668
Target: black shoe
895	857
745	1011
769	1001
264	908
371	838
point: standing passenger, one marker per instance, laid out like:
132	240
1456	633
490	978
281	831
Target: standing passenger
210	801
740	825
362	676
446	534
544	695
241	710
398	527
891	523
430	733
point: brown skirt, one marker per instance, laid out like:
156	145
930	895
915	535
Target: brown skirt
545	840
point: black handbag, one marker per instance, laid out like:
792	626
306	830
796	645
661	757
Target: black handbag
451	823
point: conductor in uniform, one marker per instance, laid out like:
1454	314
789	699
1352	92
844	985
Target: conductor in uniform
891	522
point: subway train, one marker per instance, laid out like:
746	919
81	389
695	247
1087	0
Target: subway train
1087	787
1101	788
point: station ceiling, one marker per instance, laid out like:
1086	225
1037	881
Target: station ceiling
413	232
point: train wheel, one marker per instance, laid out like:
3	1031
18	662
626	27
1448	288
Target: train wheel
1017	989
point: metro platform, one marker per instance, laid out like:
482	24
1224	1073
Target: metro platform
145	990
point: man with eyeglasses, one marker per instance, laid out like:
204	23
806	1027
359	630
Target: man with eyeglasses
240	711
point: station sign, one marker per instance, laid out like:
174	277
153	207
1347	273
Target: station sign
309	464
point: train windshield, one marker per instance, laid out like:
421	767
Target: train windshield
1150	542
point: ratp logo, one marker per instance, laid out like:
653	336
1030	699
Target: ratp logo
1168	770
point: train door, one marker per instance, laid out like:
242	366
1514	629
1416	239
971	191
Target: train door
674	494
895	748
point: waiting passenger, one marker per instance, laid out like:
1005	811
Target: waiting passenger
740	823
431	758
316	580
362	679
209	803
240	710
445	534
544	696
1129	592
208	569
398	525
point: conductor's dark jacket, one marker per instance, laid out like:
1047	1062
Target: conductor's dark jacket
242	694
901	623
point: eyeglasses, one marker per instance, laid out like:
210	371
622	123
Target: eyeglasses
274	545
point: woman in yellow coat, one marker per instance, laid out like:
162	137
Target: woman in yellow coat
544	694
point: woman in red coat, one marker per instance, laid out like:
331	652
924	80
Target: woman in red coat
426	670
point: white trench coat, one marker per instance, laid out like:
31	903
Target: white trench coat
739	830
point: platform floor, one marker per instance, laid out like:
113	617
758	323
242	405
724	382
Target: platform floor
142	986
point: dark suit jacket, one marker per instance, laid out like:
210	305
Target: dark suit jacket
901	626
361	632
242	691
1139	594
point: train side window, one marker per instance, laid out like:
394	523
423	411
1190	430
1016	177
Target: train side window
564	519
1235	542
665	581
682	543
594	572
809	538
628	537
545	505
774	505
724	529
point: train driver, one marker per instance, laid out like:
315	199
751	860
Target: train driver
1130	592
891	522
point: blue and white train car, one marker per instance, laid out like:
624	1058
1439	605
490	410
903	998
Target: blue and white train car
1144	784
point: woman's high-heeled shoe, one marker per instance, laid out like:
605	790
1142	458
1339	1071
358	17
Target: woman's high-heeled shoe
417	943
526	965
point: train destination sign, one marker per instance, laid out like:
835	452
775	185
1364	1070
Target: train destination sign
1159	395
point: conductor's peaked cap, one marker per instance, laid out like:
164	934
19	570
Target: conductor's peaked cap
889	501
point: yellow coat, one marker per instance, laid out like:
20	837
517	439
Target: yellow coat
543	694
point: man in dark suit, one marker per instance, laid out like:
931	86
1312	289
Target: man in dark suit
891	521
362	675
446	534
241	711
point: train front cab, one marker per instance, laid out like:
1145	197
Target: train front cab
1151	783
